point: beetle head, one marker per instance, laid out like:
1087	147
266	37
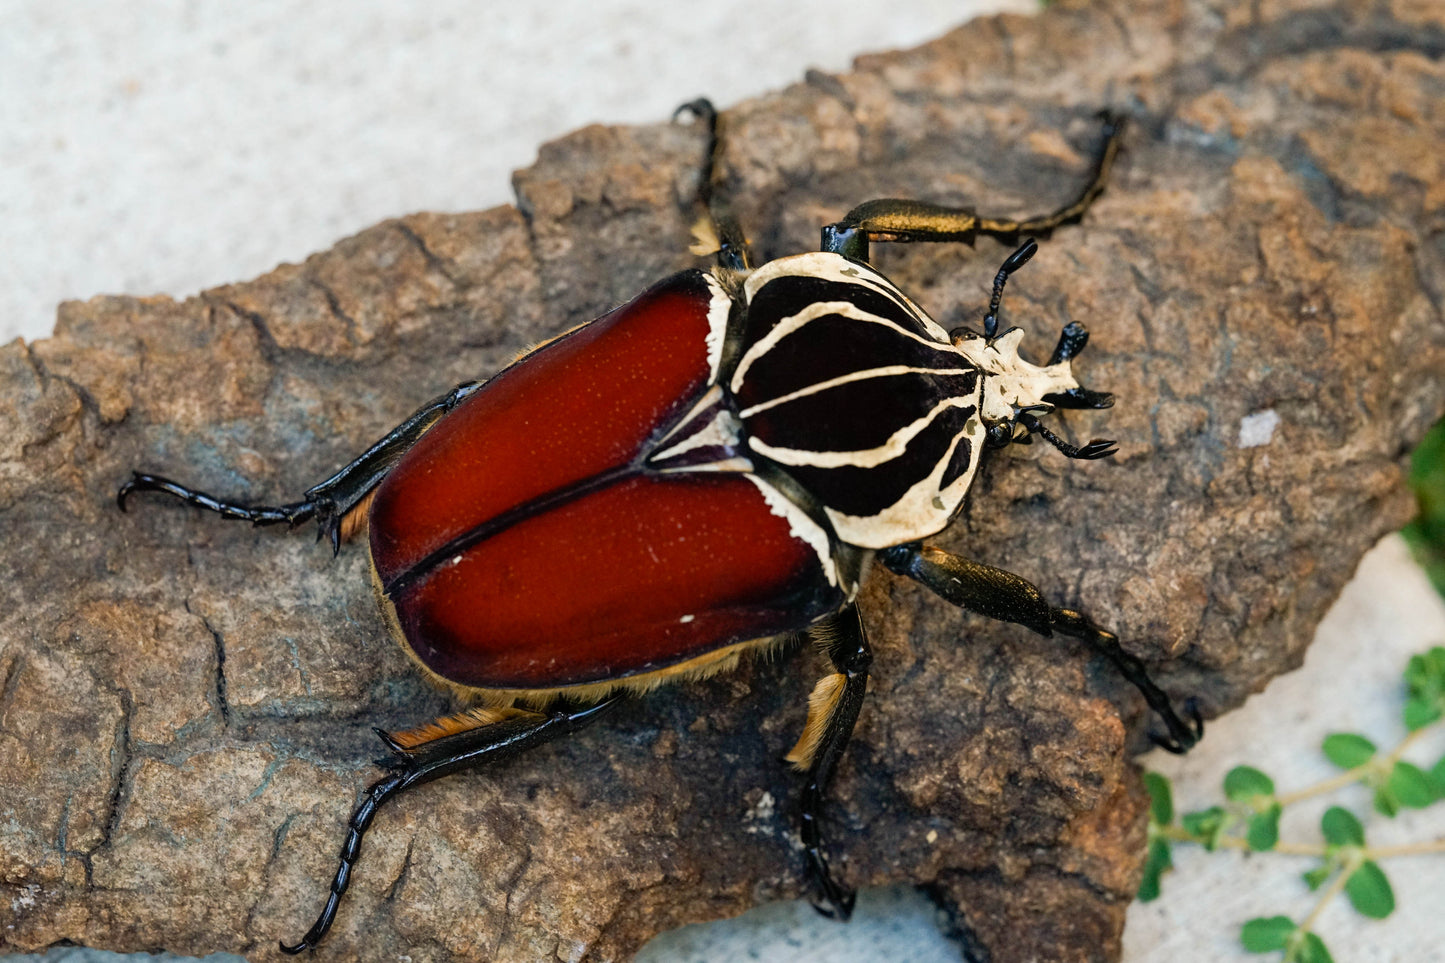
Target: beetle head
1016	392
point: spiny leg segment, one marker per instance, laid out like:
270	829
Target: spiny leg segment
432	759
733	254
832	713
1011	598
329	501
893	219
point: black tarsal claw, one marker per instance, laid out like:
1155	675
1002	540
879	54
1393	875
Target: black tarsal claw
331	526
1183	736
141	482
1114	122
389	741
700	108
835	901
125	490
1099	448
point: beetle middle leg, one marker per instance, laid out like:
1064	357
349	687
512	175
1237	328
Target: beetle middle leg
443	749
1011	598
732	252
333	499
832	713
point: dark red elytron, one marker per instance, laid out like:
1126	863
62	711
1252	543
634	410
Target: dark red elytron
505	502
702	472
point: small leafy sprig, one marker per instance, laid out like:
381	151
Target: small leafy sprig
1249	820
1426	534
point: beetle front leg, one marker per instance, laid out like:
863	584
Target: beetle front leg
832	712
1011	598
330	501
891	219
440	749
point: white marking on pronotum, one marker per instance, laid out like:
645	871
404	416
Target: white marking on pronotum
814	311
924	510
800	526
835	267
896	444
1258	429
886	371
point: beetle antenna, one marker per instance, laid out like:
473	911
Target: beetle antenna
1011	264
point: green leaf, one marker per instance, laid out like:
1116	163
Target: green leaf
1315	878
1161	798
1246	782
1263	832
1412	786
1369	891
1341	828
1426	533
1385	802
1206	826
1437	774
1425	682
1243	783
1425	673
1156	864
1348	749
1419	713
1311	949
1266	934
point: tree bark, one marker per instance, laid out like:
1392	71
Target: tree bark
185	704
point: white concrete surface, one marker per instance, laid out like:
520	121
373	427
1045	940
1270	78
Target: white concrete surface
165	147
1350	682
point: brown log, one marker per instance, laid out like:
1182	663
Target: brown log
185	703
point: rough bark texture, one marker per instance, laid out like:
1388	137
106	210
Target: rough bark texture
185	703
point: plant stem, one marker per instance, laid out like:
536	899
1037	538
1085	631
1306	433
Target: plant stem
1179	834
1410	737
1317	850
1407	849
1346	778
1336	885
1380	764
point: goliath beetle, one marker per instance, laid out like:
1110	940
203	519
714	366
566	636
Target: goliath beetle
725	454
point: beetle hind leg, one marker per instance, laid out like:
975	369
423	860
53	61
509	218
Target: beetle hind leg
832	713
430	752
1011	598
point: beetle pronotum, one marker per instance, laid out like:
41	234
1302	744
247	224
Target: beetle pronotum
767	433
